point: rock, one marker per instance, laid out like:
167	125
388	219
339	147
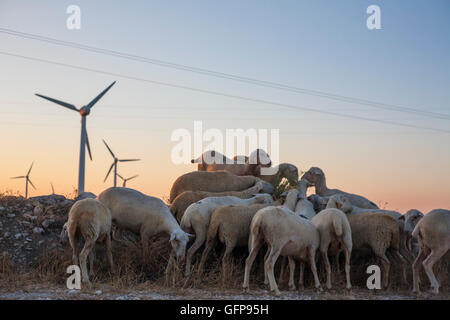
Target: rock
30	217
11	215
37	211
47	222
38	230
6	235
28	239
98	292
18	236
2	208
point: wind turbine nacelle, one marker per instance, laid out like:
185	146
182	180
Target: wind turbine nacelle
84	111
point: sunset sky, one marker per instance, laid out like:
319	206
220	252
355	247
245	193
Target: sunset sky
315	45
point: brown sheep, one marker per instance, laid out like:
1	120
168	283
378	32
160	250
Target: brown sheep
91	220
217	181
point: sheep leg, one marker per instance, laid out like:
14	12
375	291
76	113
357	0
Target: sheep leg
282	270
226	260
416	270
386	267
199	240
336	261
347	253
300	279
109	251
403	262
91	262
257	244
269	265
88	247
266	278
291	273
312	261
324	253
74	244
428	264
209	245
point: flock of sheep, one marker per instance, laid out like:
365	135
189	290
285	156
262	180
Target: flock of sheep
230	201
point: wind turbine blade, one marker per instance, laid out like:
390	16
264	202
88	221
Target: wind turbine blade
126	160
120	176
29	170
32	184
61	103
133	177
53	189
110	168
18	177
110	151
94	101
88	146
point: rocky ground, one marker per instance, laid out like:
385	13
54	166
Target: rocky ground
27	227
30	229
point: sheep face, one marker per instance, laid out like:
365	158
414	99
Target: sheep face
318	202
291	174
411	218
178	241
314	175
260	157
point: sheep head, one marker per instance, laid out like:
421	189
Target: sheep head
411	219
314	175
340	202
260	157
264	198
178	240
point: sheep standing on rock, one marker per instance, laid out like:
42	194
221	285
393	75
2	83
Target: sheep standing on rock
91	220
217	181
144	215
374	230
433	235
286	234
317	177
185	199
198	215
335	235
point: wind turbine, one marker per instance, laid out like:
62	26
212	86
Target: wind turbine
27	179
126	179
84	141
53	189
114	164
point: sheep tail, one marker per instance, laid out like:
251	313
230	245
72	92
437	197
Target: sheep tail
337	227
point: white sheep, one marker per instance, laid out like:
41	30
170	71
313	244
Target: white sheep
185	199
286	234
433	235
375	230
316	176
229	225
144	215
411	218
335	235
198	215
282	171
91	220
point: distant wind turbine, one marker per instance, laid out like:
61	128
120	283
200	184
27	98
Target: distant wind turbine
84	142
126	179
53	189
27	179
114	164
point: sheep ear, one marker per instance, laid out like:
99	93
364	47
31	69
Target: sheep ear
401	218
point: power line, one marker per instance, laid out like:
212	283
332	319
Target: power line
263	83
310	109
